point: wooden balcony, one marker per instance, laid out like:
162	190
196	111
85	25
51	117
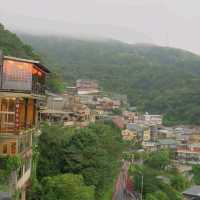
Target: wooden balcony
17	115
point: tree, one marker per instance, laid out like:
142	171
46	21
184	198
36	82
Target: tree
92	152
11	45
161	195
196	174
159	160
66	186
51	147
179	182
148	175
150	197
55	82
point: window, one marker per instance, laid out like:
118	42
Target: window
13	147
7	114
5	148
17	75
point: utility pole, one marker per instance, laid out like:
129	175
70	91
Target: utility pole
142	187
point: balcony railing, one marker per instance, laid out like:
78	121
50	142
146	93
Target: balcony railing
38	88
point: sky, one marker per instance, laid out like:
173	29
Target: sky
172	23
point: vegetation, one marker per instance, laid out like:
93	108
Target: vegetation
196	174
156	79
160	180
11	45
7	165
55	82
66	186
158	160
92	153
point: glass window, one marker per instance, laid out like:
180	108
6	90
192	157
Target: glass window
17	75
7	114
5	148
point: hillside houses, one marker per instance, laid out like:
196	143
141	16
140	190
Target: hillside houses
67	109
85	87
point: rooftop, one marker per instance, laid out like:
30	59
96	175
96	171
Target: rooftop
4	196
167	142
36	62
119	122
193	191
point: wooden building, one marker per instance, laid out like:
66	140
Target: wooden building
22	87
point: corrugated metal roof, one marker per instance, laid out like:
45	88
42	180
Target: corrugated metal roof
5	196
193	191
167	142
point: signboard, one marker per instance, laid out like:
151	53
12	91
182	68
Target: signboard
17	114
1	67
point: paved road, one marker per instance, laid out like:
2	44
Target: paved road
121	190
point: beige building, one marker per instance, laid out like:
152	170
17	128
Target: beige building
147	134
129	135
153	119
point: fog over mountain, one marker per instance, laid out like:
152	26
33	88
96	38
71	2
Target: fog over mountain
64	28
162	22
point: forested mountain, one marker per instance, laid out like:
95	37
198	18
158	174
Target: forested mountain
156	79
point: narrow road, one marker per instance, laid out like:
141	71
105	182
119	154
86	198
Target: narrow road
122	192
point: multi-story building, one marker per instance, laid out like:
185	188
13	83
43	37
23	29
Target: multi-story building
85	87
129	135
153	119
150	146
22	87
67	110
167	144
189	153
129	116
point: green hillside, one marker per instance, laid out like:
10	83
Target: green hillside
11	45
156	79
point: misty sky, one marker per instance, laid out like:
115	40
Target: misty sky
163	22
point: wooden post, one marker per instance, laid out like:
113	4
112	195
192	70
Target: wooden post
1	69
26	113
